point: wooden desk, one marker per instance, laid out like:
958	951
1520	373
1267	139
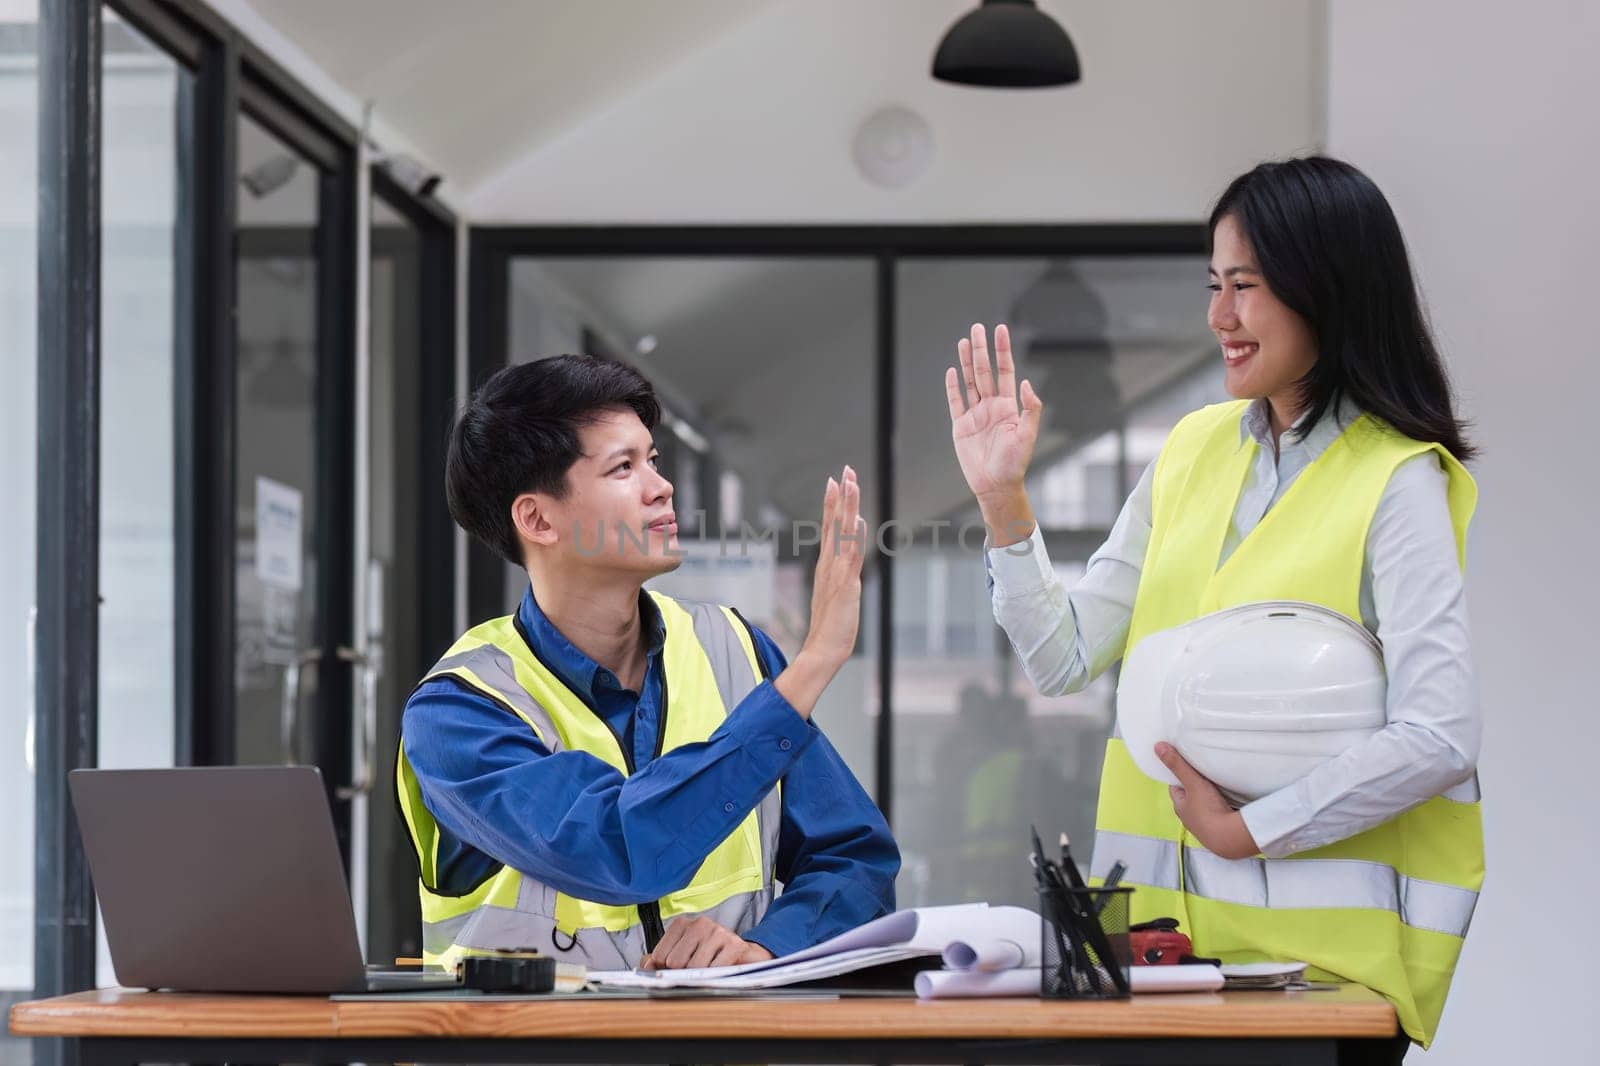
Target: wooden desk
1303	1028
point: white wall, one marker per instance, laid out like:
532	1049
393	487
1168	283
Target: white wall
1479	122
1177	98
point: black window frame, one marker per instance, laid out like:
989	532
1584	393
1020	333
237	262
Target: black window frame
492	249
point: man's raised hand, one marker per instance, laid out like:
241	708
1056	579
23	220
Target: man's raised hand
835	597
836	590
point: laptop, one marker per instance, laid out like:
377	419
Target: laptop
225	879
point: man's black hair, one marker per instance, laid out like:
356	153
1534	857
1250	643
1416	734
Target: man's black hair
519	434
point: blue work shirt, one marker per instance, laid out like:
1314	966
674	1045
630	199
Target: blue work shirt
572	821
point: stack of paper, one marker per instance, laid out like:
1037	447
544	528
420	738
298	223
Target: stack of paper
953	984
973	934
1269	975
986	951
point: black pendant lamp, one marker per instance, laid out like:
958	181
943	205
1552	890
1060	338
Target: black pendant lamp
1007	44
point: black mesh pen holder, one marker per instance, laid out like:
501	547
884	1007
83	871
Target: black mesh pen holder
1086	952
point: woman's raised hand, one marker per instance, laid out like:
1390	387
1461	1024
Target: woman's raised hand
994	435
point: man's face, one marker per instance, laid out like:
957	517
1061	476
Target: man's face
617	513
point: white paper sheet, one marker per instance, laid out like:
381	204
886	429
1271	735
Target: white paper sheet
909	934
960	984
955	984
1009	937
1190	977
1263	969
986	956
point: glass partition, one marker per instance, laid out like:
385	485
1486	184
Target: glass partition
765	370
978	754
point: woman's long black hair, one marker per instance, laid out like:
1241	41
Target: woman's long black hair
1329	247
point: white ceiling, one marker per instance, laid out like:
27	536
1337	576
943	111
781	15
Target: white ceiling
782	351
537	67
605	111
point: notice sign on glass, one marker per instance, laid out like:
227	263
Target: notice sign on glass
278	511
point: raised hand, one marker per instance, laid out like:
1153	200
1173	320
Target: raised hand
994	434
836	590
835	597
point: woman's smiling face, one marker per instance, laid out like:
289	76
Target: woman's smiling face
1266	347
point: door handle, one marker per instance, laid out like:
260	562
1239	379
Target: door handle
289	725
289	719
367	735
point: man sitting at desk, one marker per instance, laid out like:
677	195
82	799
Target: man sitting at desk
611	776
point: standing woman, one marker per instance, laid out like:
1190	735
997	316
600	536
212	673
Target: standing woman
1334	477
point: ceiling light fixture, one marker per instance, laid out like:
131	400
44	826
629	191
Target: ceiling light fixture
1007	44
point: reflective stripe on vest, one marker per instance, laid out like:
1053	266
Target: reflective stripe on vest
710	663
1387	907
1286	883
530	925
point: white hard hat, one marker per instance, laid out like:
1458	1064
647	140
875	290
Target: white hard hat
1254	697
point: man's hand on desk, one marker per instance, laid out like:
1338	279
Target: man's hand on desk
692	943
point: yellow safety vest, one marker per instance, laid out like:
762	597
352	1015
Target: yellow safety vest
1387	908
710	664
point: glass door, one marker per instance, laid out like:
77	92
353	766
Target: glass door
394	620
292	668
405	547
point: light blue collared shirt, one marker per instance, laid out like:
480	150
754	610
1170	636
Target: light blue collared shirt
1413	598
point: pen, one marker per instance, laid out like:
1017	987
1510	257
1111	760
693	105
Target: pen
1069	867
1112	877
1093	933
